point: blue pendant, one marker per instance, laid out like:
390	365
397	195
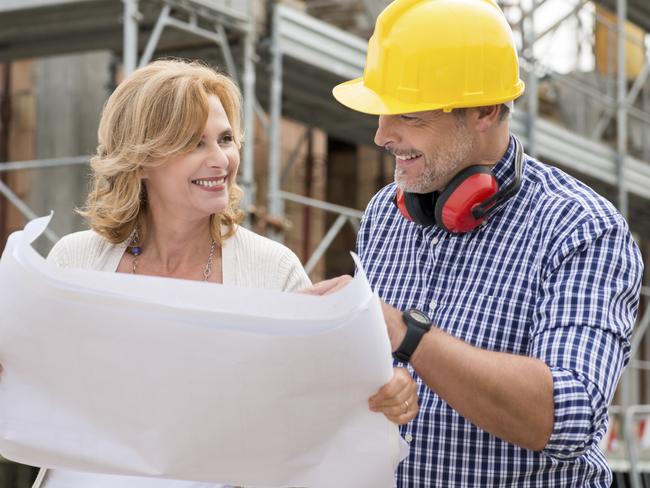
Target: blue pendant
135	250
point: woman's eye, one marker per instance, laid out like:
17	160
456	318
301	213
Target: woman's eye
227	139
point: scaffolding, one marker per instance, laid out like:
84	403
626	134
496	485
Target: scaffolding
306	57
30	28
303	58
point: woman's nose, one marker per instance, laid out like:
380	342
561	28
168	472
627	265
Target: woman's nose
217	157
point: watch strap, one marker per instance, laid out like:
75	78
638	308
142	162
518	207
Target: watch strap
414	332
409	343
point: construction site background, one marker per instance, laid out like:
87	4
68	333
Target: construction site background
51	95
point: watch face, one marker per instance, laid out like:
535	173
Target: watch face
420	317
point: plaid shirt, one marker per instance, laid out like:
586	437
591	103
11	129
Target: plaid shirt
555	275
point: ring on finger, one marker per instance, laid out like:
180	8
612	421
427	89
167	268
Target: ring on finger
406	406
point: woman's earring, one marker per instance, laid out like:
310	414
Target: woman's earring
134	244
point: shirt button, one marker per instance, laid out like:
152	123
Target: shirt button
435	241
433	304
408	437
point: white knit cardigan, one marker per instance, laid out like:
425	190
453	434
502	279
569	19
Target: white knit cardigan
248	259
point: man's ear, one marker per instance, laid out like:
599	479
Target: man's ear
486	117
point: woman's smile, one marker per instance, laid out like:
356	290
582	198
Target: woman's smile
215	183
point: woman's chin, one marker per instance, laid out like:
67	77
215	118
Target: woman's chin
217	209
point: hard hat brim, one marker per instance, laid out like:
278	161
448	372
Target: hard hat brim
356	95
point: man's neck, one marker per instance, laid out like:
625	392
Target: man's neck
495	145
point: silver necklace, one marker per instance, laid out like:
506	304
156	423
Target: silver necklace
207	269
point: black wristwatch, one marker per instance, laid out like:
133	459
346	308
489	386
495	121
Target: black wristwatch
417	324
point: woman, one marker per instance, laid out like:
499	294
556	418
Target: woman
164	199
164	202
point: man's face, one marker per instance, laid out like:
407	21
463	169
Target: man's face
430	148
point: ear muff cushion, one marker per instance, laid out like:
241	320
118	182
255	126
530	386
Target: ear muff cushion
421	208
453	210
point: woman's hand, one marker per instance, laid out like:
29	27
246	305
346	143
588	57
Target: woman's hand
328	286
397	399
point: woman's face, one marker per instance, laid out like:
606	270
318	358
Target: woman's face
197	184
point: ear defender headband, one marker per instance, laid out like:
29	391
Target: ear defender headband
469	198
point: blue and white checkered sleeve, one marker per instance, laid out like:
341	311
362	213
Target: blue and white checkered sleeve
363	235
584	316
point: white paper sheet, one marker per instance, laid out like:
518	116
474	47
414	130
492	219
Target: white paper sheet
139	375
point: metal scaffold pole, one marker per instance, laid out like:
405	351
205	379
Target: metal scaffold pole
629	376
621	111
130	41
532	88
276	207
248	181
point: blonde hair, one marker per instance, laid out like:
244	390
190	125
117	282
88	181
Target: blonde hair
158	112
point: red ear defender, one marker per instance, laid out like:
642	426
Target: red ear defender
400	203
465	202
452	209
416	207
467	190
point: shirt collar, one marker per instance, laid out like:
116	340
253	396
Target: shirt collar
504	169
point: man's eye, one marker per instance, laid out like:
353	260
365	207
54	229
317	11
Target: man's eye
407	117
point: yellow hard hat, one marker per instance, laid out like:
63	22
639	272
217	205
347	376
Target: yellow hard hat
436	54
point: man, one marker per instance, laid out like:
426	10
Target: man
510	288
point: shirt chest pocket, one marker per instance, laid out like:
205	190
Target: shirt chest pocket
498	323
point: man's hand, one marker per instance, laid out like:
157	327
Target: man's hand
394	324
328	286
397	399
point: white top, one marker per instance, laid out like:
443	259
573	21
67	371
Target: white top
248	259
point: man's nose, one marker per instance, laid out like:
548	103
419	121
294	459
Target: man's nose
385	134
